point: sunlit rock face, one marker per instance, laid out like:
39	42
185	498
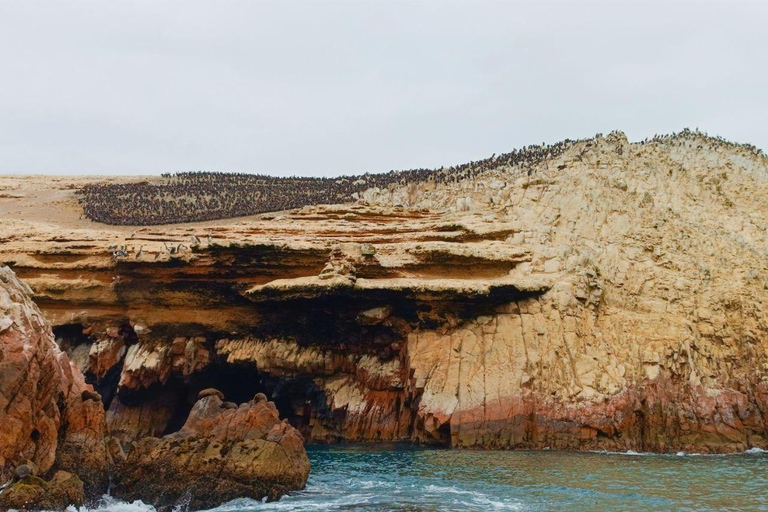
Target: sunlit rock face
613	297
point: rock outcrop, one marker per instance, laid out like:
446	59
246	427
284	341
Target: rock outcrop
46	414
33	493
613	297
223	452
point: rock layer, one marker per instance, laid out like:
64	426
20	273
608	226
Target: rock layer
614	297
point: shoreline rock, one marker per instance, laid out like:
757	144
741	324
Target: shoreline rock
33	493
42	412
221	453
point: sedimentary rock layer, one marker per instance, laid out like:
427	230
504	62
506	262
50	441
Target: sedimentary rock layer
613	297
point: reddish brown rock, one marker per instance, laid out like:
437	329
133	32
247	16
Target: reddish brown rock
220	454
43	415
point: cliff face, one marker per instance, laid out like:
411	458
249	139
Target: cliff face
52	420
48	414
611	298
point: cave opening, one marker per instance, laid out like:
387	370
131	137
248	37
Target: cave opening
297	399
70	336
76	341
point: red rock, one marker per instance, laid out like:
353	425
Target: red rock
43	416
220	454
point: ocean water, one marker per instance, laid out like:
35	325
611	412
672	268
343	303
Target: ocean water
400	478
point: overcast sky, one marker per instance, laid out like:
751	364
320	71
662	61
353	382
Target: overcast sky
331	87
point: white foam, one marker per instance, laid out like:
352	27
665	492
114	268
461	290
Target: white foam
498	505
751	451
438	489
628	452
109	504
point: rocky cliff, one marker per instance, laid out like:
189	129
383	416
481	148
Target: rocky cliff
612	297
53	423
49	416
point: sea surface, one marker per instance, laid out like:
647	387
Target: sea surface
401	478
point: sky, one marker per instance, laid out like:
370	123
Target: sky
334	87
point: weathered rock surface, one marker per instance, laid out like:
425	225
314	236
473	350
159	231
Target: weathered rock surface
33	493
44	416
614	297
220	454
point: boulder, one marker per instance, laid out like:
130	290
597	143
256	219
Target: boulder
210	392
34	493
220	454
374	316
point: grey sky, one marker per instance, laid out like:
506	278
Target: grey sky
322	87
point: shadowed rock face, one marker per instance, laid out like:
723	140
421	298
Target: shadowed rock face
222	453
613	297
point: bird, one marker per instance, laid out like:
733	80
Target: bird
141	251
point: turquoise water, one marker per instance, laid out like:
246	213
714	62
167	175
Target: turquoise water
393	478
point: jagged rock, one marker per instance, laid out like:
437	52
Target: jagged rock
220	454
42	412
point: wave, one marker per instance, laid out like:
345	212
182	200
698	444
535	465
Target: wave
750	451
475	498
109	504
